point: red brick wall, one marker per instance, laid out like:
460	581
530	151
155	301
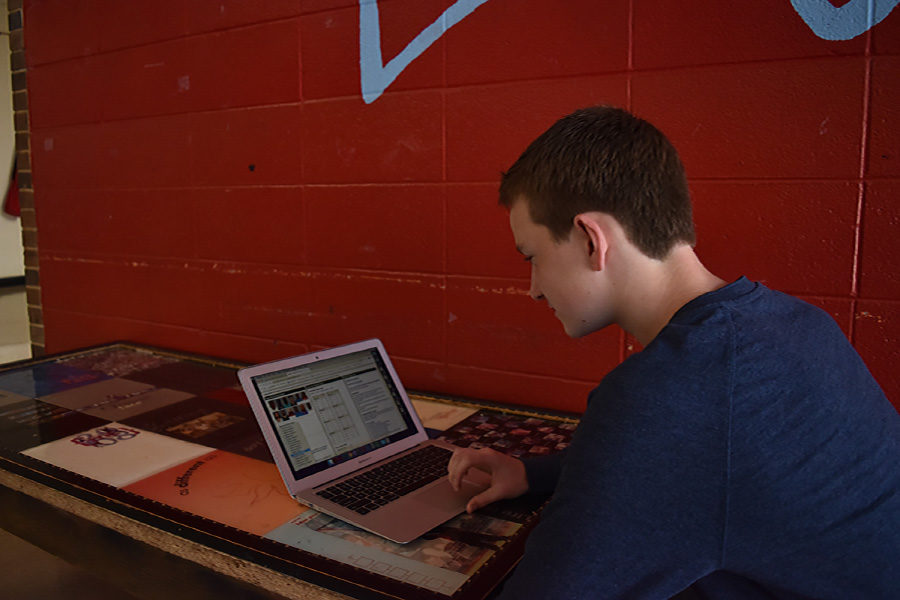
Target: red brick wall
208	177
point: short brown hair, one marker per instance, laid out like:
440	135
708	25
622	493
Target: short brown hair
605	159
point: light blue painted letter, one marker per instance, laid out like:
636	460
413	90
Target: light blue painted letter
375	76
850	20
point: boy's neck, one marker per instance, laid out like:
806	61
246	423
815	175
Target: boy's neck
659	288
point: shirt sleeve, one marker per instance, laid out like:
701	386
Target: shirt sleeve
543	472
639	509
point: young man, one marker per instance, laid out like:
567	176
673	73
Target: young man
746	452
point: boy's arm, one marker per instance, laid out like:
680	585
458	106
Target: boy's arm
638	511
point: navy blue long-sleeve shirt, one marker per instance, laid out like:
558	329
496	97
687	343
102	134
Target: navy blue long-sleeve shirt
746	450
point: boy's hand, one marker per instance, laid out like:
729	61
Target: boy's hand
507	474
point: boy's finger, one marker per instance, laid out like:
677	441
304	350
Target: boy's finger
456	477
457	468
492	494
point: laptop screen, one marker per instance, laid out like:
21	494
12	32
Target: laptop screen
329	411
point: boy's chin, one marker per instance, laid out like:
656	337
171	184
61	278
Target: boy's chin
578	330
582	328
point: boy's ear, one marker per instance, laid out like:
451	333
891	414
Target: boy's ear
597	240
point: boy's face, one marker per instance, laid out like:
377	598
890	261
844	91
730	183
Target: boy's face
561	273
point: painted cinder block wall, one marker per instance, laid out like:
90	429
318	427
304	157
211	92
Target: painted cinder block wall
207	175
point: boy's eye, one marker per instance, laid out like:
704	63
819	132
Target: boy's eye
528	258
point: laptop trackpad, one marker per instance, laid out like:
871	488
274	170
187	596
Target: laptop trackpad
445	499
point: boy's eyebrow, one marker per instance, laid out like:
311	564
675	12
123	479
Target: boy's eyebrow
519	250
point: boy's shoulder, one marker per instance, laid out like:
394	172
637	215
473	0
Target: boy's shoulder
751	316
694	357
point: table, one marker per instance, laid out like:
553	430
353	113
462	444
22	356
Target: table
138	462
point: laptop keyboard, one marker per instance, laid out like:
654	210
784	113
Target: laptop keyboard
373	489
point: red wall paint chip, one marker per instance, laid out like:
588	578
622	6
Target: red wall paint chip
392	227
397	139
877	340
880	248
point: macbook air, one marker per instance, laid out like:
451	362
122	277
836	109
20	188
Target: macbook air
348	442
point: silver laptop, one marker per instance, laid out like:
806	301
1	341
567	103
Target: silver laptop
348	442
